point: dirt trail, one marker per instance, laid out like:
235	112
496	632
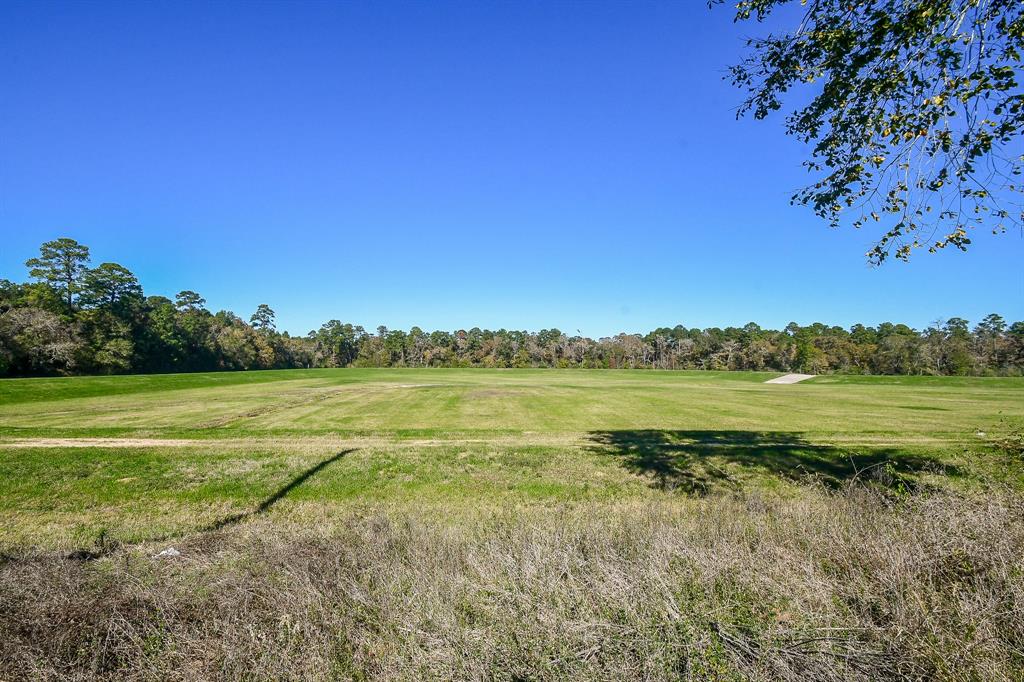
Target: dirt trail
97	443
555	439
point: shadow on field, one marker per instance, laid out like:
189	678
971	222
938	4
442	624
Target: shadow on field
278	494
696	461
105	547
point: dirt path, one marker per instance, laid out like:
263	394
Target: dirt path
559	440
98	443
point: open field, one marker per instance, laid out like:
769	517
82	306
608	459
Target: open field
511	523
167	455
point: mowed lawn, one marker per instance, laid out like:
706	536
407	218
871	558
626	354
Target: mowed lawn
91	459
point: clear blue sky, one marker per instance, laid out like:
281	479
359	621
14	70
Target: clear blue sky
500	164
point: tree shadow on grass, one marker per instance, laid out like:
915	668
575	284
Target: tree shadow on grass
695	462
104	547
277	495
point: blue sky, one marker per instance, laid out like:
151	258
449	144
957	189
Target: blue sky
520	165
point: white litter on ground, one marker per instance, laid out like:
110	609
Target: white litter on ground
168	553
790	378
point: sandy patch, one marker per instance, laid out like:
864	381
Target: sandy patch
790	378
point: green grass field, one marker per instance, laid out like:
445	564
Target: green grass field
473	524
148	457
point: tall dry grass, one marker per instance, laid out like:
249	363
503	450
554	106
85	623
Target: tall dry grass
844	585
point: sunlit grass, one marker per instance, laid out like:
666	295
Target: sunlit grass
192	450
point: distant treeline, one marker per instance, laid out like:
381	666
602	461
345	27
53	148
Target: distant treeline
77	319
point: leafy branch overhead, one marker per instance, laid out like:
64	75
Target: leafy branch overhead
917	117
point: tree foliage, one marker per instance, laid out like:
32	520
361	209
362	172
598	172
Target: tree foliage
117	329
916	114
110	285
61	264
263	318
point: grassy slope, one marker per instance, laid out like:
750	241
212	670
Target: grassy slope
462	439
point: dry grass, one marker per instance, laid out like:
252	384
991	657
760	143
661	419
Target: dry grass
830	585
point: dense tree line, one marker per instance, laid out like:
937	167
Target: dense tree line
77	319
